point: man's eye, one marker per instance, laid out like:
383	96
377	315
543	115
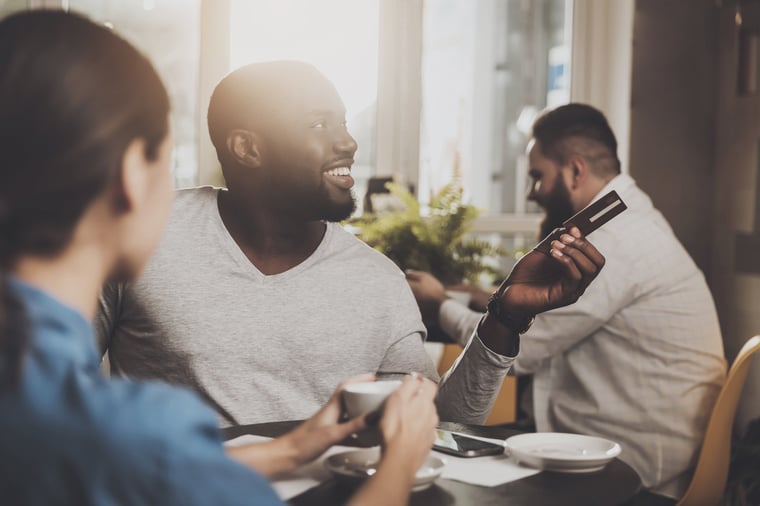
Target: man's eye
319	124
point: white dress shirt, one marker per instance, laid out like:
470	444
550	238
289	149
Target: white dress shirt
638	359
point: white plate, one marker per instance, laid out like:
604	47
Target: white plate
567	453
360	464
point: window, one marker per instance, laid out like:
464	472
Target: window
459	82
168	31
488	68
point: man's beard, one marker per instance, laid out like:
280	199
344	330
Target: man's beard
336	211
319	206
557	208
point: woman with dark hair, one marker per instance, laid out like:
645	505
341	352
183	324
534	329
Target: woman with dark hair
85	190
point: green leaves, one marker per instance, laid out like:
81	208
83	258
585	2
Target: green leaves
436	243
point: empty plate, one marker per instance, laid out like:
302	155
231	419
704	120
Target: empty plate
359	464
567	453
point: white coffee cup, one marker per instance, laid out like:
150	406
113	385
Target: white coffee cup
365	397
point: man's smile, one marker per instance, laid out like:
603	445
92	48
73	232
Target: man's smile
340	176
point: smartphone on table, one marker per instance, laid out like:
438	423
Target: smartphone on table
461	445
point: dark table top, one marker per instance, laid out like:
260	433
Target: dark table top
616	484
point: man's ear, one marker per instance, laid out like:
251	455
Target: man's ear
578	171
243	146
134	183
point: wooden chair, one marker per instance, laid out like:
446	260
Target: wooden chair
709	480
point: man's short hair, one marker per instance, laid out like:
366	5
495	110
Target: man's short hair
250	95
578	129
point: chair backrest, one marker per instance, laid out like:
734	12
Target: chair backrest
709	480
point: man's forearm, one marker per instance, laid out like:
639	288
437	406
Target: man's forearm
469	389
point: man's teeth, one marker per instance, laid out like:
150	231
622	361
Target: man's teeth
340	171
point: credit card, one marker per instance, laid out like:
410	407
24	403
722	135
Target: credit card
587	219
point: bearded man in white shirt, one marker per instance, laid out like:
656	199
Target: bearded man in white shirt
639	359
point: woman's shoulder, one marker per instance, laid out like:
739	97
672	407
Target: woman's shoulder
155	412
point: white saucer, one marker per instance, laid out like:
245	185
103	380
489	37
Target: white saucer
567	453
360	464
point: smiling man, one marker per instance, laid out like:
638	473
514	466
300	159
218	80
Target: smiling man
260	301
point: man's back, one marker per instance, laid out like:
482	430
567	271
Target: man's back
639	359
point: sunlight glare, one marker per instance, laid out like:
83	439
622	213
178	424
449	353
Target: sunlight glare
339	37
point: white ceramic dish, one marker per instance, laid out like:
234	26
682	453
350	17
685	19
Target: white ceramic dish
361	464
567	453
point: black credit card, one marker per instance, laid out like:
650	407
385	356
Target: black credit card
587	219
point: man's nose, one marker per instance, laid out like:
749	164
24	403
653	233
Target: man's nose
345	143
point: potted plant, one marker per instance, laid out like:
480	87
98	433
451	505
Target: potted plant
436	242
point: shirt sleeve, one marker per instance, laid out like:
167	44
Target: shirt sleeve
172	437
458	321
468	390
200	472
407	355
406	351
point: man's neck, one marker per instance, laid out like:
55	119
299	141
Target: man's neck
272	242
592	190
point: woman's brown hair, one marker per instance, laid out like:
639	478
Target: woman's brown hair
73	96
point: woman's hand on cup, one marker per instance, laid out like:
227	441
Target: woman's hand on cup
409	421
325	428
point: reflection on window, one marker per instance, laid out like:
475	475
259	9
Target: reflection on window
488	69
339	37
168	32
